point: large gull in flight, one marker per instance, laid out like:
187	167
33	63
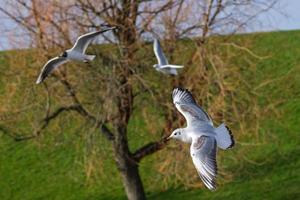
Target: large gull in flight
202	135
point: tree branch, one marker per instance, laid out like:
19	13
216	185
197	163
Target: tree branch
13	134
45	122
17	20
149	149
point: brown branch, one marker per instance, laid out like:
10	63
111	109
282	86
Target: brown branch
152	15
40	31
246	50
83	112
99	124
149	149
46	121
9	133
216	13
18	21
206	16
57	112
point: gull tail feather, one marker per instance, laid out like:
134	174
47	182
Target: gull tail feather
89	57
173	72
224	137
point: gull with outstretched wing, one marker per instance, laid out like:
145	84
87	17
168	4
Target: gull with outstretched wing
202	135
77	52
163	64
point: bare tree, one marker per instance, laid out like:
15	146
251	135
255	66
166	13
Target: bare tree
53	24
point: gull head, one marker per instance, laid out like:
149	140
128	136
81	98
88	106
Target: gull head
176	134
64	54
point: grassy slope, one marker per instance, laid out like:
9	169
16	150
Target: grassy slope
29	170
276	171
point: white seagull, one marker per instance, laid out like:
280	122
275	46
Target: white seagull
163	65
202	135
77	52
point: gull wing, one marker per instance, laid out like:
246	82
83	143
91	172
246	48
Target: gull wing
203	151
83	41
169	71
187	106
172	66
49	67
160	56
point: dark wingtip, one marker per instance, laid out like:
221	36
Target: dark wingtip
177	89
181	89
231	137
39	80
184	90
104	29
108	26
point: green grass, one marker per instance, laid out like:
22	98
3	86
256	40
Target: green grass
54	168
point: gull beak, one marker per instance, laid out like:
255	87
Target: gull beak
168	138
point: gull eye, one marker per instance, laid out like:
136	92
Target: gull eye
64	54
175	133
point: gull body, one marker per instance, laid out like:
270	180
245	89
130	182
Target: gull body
202	135
78	56
163	64
76	53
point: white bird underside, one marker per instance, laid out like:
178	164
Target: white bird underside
163	64
75	53
160	56
83	41
203	151
187	106
49	67
169	71
203	136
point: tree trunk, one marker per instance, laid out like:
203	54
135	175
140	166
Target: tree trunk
132	182
127	167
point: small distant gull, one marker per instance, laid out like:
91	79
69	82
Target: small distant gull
163	65
77	52
202	135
